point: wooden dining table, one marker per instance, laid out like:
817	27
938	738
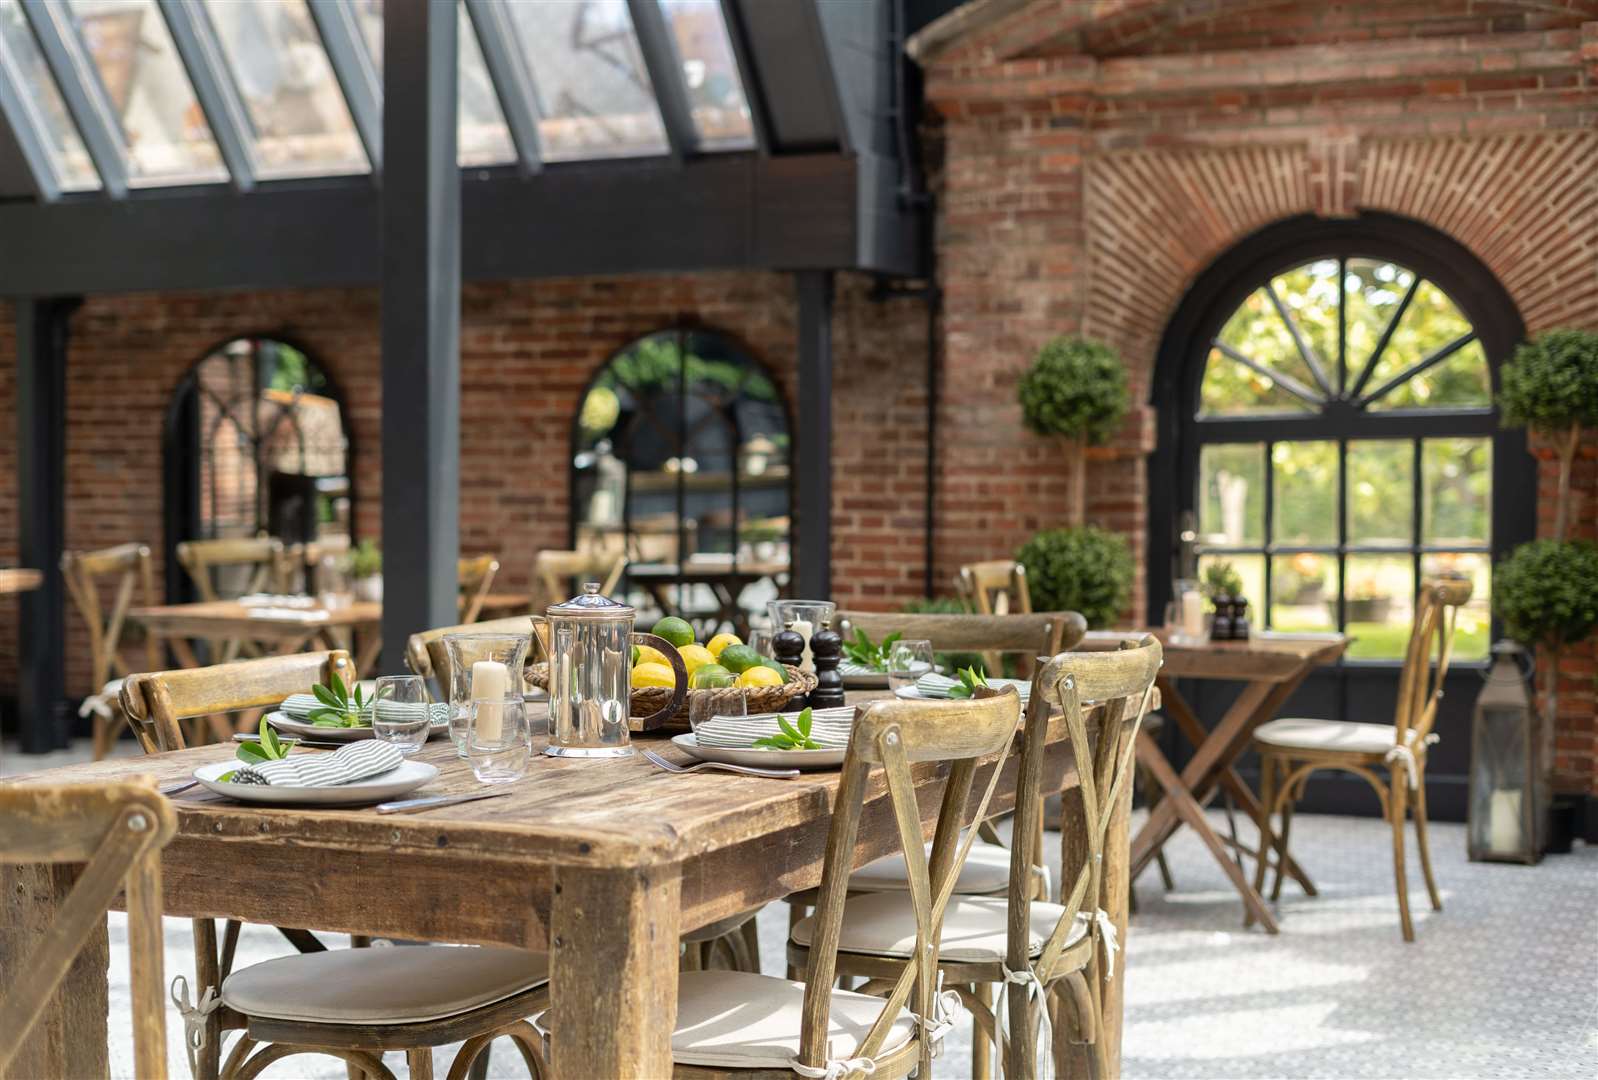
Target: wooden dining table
602	862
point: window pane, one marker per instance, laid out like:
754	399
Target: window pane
1251	568
1378	604
715	92
481	134
595	97
1460	382
1456	494
1257	332
74	171
1305	478
1372	291
302	124
1304	592
1232	494
1309	293
166	133
1431	321
1381	492
1471	631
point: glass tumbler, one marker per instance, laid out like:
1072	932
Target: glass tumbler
466	652
498	740
716	694
908	660
401	714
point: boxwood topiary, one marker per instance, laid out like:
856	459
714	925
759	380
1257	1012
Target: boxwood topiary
1551	386
1087	570
1546	592
1075	389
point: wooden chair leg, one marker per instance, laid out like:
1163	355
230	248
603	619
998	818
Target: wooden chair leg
1281	843
980	1065
796	912
207	973
751	937
419	1062
1267	806
1419	812
1397	805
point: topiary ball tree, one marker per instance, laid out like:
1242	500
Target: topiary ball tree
1551	387
1076	389
1085	569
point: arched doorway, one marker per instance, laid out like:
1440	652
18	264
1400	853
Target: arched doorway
1328	427
255	444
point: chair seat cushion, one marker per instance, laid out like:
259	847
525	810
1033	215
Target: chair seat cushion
737	1020
384	985
1295	733
974	928
986	870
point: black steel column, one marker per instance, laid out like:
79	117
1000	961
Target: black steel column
813	438
421	324
41	329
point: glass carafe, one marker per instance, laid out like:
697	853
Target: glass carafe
589	641
471	656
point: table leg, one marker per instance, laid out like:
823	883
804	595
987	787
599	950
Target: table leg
1183	805
613	970
70	1037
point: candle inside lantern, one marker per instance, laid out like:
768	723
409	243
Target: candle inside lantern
1503	823
804	628
1193	613
490	683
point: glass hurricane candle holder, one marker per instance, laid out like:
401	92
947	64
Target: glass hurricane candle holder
467	655
803	617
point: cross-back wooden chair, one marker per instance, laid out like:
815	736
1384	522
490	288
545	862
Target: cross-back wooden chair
998	587
257	562
1037	949
476	575
1291	749
117	830
128	567
557	574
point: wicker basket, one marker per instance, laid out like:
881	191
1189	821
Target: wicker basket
651	699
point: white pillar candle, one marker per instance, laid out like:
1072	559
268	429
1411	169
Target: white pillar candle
1193	613
490	682
1503	822
803	628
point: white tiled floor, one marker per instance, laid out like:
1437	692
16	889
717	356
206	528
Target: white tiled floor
1502	983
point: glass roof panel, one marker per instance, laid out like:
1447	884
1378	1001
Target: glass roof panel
302	123
167	137
481	133
595	97
70	159
715	91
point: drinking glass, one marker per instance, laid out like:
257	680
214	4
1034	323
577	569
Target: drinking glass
716	695
498	741
908	660
400	712
760	641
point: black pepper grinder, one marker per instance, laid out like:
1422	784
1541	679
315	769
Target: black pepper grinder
1240	619
826	649
1221	625
788	648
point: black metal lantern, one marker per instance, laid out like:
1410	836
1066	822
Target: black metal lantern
1508	789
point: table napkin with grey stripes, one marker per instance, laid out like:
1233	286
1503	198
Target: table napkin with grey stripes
828	727
356	761
933	685
300	706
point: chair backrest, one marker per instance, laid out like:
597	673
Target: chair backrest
1420	683
1042	633
997	587
258	559
155	702
117	829
1120	683
476	576
301	563
892	736
426	655
555	574
83	572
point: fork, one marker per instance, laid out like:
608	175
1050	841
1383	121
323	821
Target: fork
672	766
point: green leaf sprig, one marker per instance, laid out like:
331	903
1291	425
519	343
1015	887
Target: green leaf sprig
970	679
863	651
795	736
338	709
270	748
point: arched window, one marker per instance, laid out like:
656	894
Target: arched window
680	454
256	443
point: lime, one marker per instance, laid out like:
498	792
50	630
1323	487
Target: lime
674	630
739	658
706	674
635	657
721	641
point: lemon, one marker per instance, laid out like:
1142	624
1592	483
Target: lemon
674	630
653	675
693	656
760	676
648	654
721	641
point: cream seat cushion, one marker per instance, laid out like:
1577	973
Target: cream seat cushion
737	1020
986	870
1295	733
974	928
384	985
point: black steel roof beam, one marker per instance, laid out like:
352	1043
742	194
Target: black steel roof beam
754	95
200	51
81	90
356	71
27	127
513	82
665	72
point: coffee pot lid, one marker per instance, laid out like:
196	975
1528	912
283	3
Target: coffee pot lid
590	605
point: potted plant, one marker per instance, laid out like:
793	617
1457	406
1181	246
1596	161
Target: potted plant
1076	389
1222	582
1085	569
366	570
1365	602
1551	387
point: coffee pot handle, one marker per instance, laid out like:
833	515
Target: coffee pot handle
679	691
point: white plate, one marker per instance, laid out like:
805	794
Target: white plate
914	693
760	759
400	780
290	726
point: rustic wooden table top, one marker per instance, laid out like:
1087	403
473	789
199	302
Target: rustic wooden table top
224	618
1262	658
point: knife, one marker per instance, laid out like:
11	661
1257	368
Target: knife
411	806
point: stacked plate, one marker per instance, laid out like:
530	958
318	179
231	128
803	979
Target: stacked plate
829	727
938	687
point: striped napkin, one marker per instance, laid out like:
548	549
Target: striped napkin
300	706
347	764
933	685
828	727
848	668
